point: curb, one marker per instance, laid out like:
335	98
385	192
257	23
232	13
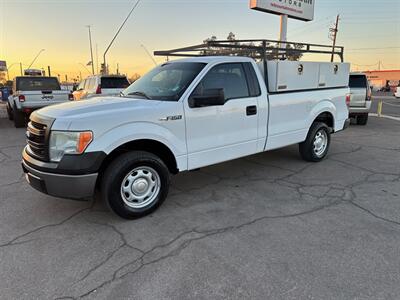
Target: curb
385	117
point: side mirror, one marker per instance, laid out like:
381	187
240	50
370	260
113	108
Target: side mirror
210	97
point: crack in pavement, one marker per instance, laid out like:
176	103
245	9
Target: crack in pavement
110	254
370	212
189	237
14	240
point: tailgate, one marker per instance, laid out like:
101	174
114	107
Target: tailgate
45	96
358	97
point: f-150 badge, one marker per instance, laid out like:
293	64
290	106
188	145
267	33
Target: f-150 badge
172	118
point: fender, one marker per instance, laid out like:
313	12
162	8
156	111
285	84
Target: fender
322	107
129	132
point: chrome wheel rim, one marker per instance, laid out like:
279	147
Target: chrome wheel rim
140	187
320	143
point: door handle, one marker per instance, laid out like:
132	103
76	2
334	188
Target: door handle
251	110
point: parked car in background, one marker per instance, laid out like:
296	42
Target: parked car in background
397	92
33	92
360	98
101	85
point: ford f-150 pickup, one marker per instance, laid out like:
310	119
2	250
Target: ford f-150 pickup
183	115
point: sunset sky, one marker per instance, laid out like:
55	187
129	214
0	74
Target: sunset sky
369	30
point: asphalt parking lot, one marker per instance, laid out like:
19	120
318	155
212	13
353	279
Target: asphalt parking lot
269	226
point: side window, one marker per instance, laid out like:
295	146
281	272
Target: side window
81	85
86	84
90	84
230	77
254	85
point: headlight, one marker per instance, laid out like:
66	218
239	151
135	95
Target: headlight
68	142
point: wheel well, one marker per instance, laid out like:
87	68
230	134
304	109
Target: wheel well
327	118
155	147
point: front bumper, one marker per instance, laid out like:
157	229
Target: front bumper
74	177
78	187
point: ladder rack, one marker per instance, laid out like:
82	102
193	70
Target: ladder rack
257	49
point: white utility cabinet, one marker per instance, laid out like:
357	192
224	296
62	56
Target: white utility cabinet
286	76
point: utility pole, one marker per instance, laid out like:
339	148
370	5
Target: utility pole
20	67
91	49
49	71
283	33
333	32
104	66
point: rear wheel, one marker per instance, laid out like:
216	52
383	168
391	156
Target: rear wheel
316	146
362	119
19	118
135	184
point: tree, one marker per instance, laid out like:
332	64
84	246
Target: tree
271	54
134	77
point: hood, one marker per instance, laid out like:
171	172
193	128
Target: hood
95	106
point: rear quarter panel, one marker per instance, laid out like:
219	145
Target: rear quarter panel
292	114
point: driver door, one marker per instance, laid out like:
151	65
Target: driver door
217	133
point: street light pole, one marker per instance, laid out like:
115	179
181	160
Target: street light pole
34	59
91	49
104	68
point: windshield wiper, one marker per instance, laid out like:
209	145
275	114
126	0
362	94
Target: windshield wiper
142	94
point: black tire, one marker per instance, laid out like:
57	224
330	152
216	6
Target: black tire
19	118
115	174
9	112
362	119
307	151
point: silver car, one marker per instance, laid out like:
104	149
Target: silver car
360	98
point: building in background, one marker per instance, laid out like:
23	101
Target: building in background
388	79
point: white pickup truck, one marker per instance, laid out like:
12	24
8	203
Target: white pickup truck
183	115
33	92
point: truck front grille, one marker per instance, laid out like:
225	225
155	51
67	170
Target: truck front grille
36	139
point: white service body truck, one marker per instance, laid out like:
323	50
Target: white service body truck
183	115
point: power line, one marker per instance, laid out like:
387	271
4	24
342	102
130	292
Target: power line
366	49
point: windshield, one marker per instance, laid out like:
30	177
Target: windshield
114	82
167	82
37	84
358	81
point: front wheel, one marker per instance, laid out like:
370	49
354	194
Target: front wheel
135	184
316	146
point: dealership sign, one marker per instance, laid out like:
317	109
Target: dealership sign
296	9
3	66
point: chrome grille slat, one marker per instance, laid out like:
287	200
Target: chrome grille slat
36	139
